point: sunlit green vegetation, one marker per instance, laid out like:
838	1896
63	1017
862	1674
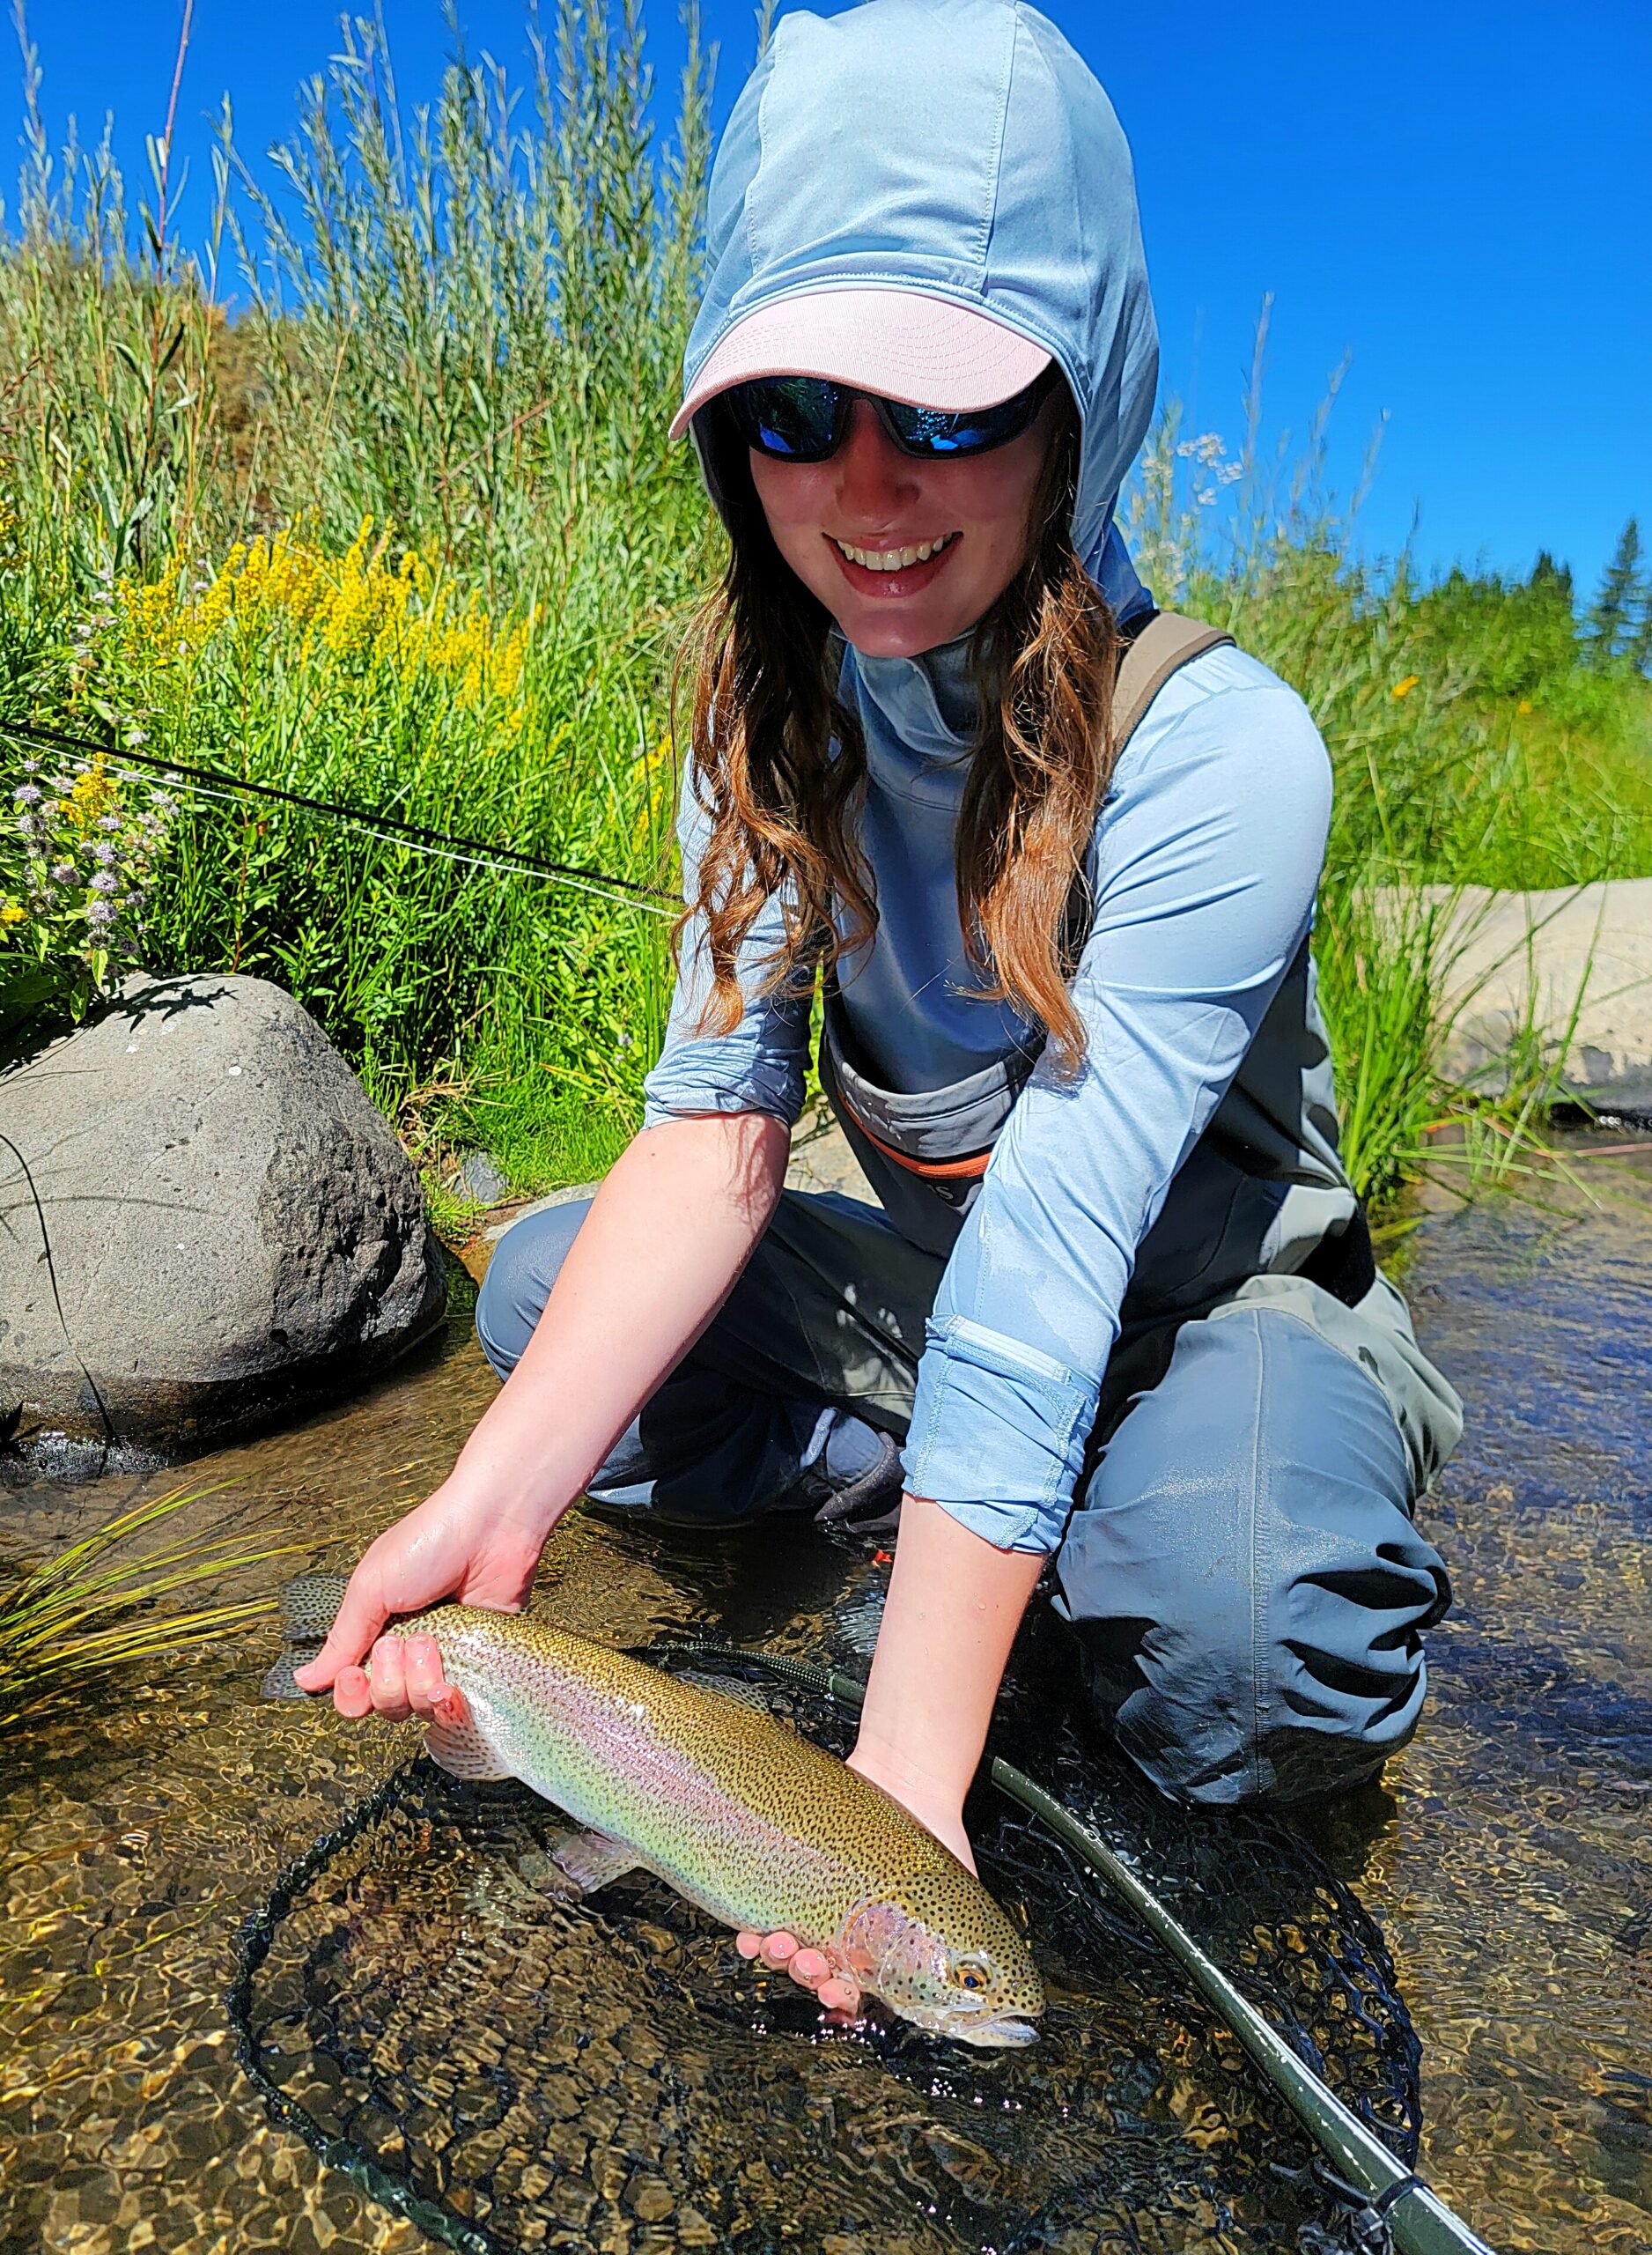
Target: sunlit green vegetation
408	533
96	1606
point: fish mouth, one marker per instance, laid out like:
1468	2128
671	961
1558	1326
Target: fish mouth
1009	2031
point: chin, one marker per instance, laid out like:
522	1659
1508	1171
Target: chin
896	638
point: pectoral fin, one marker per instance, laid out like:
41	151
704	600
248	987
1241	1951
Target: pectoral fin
579	1862
455	1740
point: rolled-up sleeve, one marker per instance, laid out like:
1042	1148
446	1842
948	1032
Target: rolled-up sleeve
761	1065
1210	849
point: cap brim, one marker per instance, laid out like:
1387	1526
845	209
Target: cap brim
903	343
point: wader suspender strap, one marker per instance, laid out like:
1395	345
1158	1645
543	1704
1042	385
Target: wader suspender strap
1153	648
1343	1265
1162	646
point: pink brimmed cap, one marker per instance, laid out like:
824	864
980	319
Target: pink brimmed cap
905	344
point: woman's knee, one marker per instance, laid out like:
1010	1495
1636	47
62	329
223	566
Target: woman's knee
1244	1577
525	1265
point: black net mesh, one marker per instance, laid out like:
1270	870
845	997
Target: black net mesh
609	2075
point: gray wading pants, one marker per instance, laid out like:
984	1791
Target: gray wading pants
1241	1568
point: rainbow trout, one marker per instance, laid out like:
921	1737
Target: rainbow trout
722	1800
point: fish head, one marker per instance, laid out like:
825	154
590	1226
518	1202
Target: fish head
943	1955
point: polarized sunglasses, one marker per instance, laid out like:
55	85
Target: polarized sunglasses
803	418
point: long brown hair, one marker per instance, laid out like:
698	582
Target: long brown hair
1042	661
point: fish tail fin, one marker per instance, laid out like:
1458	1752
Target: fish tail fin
309	1606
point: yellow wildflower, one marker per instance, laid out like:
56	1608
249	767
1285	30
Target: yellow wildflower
1404	687
13	912
657	765
358	608
94	794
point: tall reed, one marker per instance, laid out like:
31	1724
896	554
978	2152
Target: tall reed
90	1608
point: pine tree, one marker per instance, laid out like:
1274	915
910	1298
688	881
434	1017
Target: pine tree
1640	650
1618	610
1555	579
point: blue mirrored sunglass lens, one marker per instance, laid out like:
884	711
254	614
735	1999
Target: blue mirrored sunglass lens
935	432
803	418
788	415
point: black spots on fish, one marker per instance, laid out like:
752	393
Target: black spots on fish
281	1682
727	1687
307	1607
309	1603
463	1751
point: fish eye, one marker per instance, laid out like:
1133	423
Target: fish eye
970	1973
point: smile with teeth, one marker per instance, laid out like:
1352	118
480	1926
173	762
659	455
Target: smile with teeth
893	559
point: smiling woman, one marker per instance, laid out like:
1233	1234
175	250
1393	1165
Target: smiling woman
896	526
1053	857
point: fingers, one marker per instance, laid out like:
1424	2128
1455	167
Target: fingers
810	1969
426	1688
404	1678
360	1618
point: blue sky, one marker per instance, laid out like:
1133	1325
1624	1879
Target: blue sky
1455	193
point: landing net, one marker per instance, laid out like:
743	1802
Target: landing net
514	2072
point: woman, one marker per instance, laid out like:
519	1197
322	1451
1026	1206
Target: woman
1054	858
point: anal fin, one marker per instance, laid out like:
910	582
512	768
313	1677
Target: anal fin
579	1862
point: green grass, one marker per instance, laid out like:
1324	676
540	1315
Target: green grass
90	1608
466	336
1476	740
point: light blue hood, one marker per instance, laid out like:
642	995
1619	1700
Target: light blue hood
962	148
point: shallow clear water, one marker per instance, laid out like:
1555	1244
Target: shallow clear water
610	2078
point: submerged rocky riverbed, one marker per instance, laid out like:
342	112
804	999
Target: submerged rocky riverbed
659	2095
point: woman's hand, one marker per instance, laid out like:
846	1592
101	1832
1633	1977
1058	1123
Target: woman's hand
460	1543
811	1969
954	1604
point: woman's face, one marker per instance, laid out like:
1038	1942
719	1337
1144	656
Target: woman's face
873	499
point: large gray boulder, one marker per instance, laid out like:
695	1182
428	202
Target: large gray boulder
233	1229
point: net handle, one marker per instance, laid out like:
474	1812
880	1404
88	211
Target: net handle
1418	2220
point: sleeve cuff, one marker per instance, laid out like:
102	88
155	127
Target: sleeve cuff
998	1434
668	1095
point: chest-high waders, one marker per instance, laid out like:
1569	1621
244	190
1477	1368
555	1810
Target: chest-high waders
1240	1566
925	1154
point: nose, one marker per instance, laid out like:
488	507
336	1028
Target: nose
876	479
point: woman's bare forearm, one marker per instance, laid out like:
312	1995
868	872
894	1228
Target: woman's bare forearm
954	1604
666	1236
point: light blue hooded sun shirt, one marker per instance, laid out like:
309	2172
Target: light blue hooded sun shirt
965	150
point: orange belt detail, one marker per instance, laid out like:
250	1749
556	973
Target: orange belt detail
964	1170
